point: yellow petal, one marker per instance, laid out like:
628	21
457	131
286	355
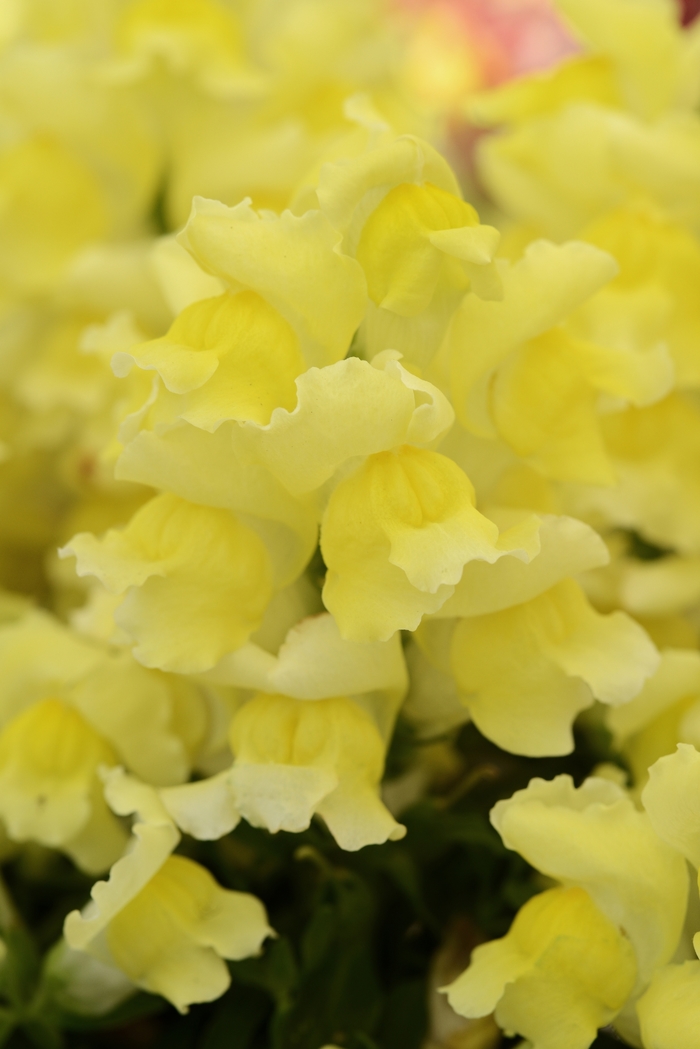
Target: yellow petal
415	510
49	756
671	799
231	357
642	40
594	837
198	581
567	547
563	971
538	293
220	470
407	244
291	262
347	410
171	937
297	757
668	1011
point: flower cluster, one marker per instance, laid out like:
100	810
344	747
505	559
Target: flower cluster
325	449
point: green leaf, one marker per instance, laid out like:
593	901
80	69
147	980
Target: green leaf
136	1008
8	1023
237	1019
20	971
275	971
405	1020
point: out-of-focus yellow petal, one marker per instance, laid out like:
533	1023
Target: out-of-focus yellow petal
669	1011
642	40
671	797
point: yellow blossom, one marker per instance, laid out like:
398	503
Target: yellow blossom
163	919
563	971
170	561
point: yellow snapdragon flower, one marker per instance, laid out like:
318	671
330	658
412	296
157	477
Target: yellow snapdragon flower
665	712
162	919
562	971
524	375
295	757
653	451
170	558
51	793
200	37
457	652
651	302
421	247
622	902
668	1010
572	655
68	707
51	206
311	740
593	837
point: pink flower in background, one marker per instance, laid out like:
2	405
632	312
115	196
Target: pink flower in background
459	46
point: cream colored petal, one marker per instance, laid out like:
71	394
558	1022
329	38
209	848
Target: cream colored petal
205	809
343	186
578	77
49	757
374	599
186	974
356	816
483	333
476	244
641	378
218	469
233	923
642	40
611	653
316	663
182	281
568	547
672	800
480	987
515	694
198	581
660	588
280	797
562	971
235	926
181	368
669	1011
322	294
594	837
153	843
677	677
39	655
132	708
347	410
